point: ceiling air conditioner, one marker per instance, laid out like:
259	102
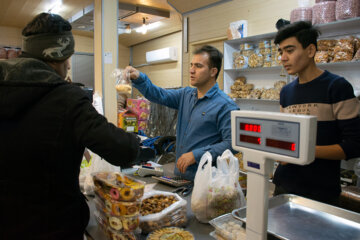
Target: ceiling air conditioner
162	55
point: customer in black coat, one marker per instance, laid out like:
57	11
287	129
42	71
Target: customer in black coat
45	125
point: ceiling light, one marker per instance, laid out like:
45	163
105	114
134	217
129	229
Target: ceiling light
127	28
56	8
148	27
143	27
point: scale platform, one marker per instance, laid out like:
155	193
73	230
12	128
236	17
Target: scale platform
293	217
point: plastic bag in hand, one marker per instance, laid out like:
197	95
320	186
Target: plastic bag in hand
122	83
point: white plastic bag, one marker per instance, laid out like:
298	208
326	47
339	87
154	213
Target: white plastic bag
96	164
216	190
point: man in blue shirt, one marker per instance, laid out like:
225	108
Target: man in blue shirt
203	112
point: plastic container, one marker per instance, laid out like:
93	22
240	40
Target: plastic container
109	231
170	233
228	227
317	1
115	208
265	51
256	60
347	9
240	62
118	187
172	216
323	12
265	44
301	14
116	223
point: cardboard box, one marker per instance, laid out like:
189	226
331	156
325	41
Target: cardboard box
141	107
128	121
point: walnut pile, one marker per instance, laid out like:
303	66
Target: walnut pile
155	204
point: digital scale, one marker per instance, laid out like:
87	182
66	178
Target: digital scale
172	181
265	137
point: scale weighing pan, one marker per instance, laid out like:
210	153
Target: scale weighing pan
294	218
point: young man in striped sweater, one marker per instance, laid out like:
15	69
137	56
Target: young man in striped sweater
330	98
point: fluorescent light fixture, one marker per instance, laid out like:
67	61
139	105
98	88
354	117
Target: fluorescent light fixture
56	8
150	26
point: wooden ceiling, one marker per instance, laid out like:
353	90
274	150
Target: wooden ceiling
185	6
17	13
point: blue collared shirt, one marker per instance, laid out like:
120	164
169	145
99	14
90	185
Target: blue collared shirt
203	124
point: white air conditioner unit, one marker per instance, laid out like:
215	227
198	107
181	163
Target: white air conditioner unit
162	55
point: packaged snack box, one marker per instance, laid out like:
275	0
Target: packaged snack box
128	121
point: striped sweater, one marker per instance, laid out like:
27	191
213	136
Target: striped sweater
330	98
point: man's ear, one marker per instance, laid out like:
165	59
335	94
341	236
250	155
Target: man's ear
213	72
311	49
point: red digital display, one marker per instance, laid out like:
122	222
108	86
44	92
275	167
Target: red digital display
281	144
250	139
250	127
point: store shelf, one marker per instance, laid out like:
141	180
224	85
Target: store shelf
256	100
277	69
267	76
257	69
339	28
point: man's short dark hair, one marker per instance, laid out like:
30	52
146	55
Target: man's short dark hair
46	23
215	57
303	31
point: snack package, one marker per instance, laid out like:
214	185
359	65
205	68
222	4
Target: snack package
116	208
162	209
237	29
142	125
128	121
122	81
118	223
141	107
110	233
321	57
118	187
216	190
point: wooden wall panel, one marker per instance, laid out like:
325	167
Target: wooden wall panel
10	36
124	56
84	44
260	14
163	74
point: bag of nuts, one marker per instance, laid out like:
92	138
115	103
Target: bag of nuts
162	209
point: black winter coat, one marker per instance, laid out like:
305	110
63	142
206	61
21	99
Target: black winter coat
45	125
